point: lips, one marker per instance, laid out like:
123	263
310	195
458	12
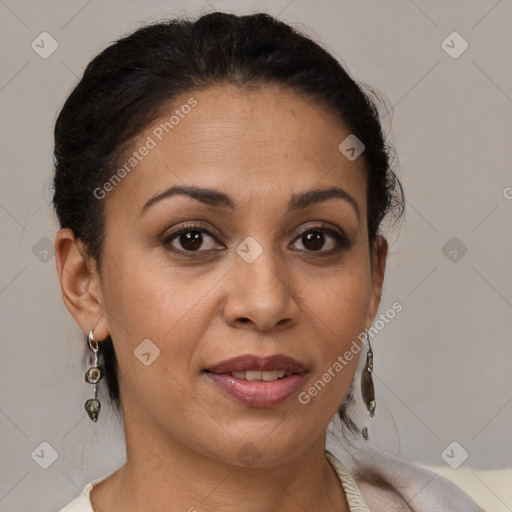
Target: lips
250	362
258	381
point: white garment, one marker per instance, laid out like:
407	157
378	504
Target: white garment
422	490
405	487
490	488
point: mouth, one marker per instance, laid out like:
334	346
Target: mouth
255	365
258	381
265	376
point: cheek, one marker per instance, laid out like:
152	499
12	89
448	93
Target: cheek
151	312
342	301
338	314
147	298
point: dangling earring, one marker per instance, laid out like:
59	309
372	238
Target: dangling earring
93	376
367	389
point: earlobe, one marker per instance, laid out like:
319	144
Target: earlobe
79	285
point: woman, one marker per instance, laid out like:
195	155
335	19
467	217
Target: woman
220	185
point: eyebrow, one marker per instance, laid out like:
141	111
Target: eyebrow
213	197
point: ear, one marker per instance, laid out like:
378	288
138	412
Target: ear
80	284
378	267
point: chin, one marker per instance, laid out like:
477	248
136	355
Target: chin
263	446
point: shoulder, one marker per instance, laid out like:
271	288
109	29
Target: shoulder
491	488
83	503
80	504
388	482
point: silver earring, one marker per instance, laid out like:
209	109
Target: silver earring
93	376
367	388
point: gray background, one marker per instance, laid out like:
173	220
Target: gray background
442	366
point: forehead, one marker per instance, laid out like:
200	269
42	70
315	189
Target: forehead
264	141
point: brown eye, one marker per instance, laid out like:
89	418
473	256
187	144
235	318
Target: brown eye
190	239
323	240
313	240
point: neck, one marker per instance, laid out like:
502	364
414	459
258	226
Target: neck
172	477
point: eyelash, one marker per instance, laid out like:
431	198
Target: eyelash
341	239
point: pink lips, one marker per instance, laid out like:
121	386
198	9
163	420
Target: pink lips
258	393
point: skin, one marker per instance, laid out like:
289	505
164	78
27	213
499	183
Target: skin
184	435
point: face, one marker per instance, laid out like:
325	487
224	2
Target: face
256	275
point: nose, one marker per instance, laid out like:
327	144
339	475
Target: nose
261	294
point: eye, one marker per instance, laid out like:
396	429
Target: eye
189	239
313	239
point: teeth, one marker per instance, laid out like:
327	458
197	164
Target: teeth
269	376
252	375
255	375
